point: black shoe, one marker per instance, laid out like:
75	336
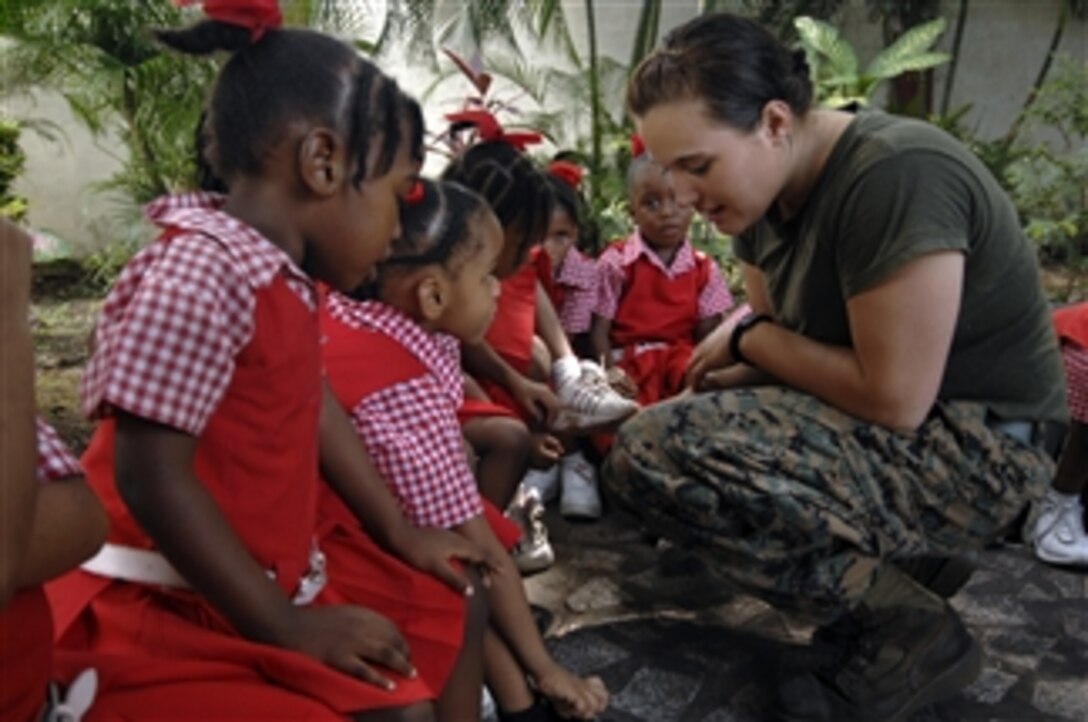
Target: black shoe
944	576
888	663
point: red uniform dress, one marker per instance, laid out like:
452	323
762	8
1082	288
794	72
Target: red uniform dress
572	289
511	336
212	331
1071	324
405	412
26	625
654	310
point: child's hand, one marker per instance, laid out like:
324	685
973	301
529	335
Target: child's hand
621	383
573	696
537	399
544	450
352	640
433	551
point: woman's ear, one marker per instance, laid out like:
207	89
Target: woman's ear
776	122
322	161
432	295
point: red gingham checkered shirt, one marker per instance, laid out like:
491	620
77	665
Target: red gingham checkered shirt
713	299
55	461
578	277
1075	360
410	428
180	313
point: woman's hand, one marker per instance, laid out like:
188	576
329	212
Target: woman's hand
711	354
434	550
351	639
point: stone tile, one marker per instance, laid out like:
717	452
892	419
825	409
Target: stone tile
654	694
1067	698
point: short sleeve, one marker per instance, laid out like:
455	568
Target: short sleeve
903	207
55	461
610	278
714	297
165	352
411	432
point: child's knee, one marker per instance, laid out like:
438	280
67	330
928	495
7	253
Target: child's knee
540	360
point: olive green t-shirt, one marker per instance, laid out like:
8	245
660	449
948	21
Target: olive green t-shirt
894	189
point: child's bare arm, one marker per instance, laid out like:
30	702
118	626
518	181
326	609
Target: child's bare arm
482	362
18	482
350	472
705	326
156	480
69	527
599	342
548	326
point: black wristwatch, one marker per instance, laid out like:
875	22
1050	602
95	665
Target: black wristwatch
744	326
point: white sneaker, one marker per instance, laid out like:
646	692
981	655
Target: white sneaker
533	553
580	498
545	482
590	401
1059	535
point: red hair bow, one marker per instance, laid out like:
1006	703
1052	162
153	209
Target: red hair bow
414	194
257	16
488	129
637	146
567	172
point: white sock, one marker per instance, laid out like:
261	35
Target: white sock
1062	499
566	370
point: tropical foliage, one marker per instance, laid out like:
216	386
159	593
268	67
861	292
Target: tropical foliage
12	160
834	65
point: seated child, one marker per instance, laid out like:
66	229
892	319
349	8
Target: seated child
1059	535
568	275
658	295
393	364
212	598
45	528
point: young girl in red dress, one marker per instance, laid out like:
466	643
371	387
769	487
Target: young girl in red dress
211	599
435	291
525	345
658	296
45	528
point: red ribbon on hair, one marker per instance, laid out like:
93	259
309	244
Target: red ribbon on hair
489	130
257	16
567	172
414	194
637	146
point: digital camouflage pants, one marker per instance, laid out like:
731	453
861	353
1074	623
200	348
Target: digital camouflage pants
798	503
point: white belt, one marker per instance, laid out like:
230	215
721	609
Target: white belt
636	349
150	567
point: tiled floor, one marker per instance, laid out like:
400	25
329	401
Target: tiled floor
673	643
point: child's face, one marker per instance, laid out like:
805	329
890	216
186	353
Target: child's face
474	290
661	220
562	234
369	220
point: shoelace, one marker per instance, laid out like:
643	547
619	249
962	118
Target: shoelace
1059	509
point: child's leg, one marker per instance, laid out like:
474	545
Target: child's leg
460	699
505	677
1072	474
502	447
540	361
422	712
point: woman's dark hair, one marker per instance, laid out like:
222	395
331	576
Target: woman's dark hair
731	63
289	75
574	205
515	189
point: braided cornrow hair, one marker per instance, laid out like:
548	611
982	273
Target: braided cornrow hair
289	75
515	189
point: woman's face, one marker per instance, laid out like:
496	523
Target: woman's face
729	176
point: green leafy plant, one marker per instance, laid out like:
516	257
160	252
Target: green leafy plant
834	64
12	162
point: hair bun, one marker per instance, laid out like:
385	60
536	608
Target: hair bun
800	63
